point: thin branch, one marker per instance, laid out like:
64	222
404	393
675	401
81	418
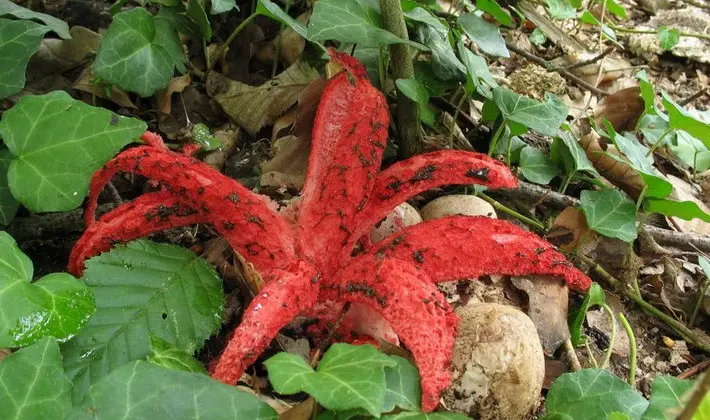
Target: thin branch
591	60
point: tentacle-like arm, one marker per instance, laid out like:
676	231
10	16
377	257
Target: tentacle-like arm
287	293
406	179
147	214
463	247
244	218
406	297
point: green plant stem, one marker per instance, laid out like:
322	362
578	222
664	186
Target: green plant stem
591	354
655	145
459	105
701	296
223	48
572	358
632	349
498	206
496	137
693	337
411	141
612	340
651	32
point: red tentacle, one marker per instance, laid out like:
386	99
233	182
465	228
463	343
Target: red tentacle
407	298
349	137
244	218
147	214
287	293
406	179
463	247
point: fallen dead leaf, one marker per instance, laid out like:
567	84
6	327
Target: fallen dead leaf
301	411
176	85
599	319
622	109
684	191
570	232
617	172
229	135
58	55
85	83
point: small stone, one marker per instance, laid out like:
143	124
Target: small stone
455	205
535	81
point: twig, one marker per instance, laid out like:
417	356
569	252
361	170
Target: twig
692	371
511	212
572	359
51	225
701	391
632	349
561	70
691	98
115	195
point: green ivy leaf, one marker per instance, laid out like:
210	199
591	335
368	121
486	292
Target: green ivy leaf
443	61
139	52
543	117
425	416
202	135
493	8
536	167
680	119
666	395
8	203
478	76
57	143
610	212
594	297
221	6
165	354
668	37
33	384
142	289
142	390
348	21
348	377
592	394
8	8
421	15
273	11
19	40
57	305
537	37
588	18
616	9
403	386
566	149
414	90
686	210
560	9
486	35
648	93
197	14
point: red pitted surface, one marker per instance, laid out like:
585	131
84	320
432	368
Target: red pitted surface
417	311
461	247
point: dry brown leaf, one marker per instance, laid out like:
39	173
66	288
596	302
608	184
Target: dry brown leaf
622	109
284	125
253	107
684	191
570	232
291	43
302	411
118	96
58	55
176	85
547	298
229	135
618	173
599	319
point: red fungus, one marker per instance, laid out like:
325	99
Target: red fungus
309	263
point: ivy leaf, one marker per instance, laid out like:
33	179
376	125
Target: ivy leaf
421	15
560	9
221	6
202	135
444	61
8	8
19	40
668	37
403	386
536	167
537	37
56	305
543	117
493	8
478	75
566	149
616	9
33	384
610	212
8	203
486	35
273	11
680	119
348	377
416	91
142	289
197	14
57	143
594	297
139	52
686	210
592	394
648	93
142	390
167	355
666	395
348	21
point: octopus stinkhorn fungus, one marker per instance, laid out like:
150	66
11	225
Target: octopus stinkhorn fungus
310	259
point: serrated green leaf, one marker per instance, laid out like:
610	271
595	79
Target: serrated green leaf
610	212
221	6
57	305
680	119
686	210
543	117
536	167
419	14
142	289
493	8
142	390
33	384
403	386
19	40
8	203
444	62
537	37
486	35
8	8
139	53
594	297
668	37
347	377
273	11
57	143
666	397
561	9
348	21
591	394
167	355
